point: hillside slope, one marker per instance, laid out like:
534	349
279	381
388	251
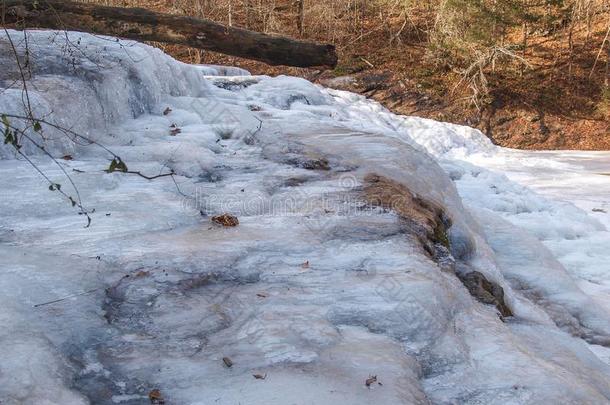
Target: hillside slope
444	60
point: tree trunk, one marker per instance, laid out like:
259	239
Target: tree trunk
301	16
607	76
524	45
145	25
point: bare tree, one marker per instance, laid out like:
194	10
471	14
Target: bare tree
300	16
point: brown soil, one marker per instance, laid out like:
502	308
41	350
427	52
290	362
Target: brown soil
506	121
559	102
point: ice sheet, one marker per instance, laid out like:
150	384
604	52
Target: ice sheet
315	291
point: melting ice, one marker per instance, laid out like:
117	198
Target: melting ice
316	290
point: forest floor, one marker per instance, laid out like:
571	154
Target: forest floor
559	101
554	105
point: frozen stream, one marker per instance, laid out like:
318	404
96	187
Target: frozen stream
368	245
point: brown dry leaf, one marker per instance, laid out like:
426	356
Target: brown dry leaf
175	131
225	220
67	157
371	380
167	111
156	397
259	376
142	273
305	265
228	362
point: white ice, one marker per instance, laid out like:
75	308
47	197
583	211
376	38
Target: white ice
314	290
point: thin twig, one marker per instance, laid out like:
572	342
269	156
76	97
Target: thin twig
601	48
42	148
65	131
67	297
148	177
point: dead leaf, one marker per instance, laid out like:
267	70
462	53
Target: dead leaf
156	397
175	131
228	362
225	220
261	295
67	157
259	376
371	380
305	265
599	210
142	273
167	111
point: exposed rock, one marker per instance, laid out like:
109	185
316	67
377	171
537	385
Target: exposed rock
310	162
426	218
485	291
227	83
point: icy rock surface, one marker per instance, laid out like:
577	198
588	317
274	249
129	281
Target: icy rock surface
316	290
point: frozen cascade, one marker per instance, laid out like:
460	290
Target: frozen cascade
317	289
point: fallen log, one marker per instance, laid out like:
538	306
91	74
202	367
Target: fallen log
145	25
